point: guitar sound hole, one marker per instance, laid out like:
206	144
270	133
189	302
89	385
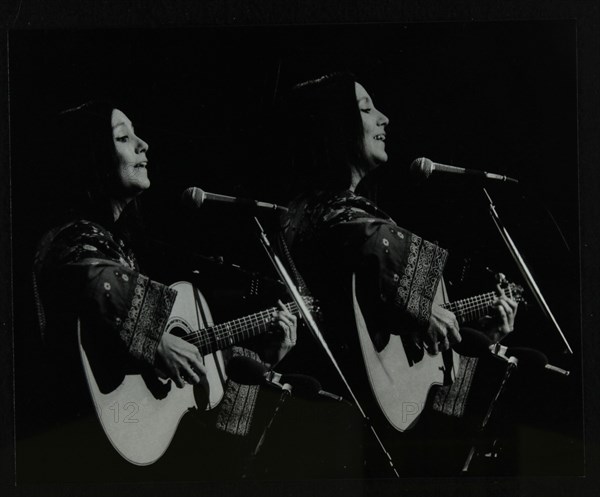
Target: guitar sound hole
178	332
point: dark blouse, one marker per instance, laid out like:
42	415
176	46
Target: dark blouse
332	235
84	270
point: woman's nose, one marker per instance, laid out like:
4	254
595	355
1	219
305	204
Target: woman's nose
142	146
383	119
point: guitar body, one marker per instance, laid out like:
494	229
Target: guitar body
141	414
138	408
190	312
399	385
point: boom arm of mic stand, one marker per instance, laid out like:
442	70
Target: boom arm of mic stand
312	326
524	269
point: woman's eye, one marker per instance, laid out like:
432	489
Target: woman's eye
122	138
366	111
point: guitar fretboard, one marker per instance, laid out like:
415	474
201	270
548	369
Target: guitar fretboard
473	308
221	336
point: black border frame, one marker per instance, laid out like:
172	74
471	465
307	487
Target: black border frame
133	13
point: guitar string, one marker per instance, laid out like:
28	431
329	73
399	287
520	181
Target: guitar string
202	338
467	306
212	335
477	300
238	326
229	331
471	307
245	324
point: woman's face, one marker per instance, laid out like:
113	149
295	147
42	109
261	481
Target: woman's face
374	123
132	173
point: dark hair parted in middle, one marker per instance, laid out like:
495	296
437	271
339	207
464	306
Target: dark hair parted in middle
85	167
88	166
325	131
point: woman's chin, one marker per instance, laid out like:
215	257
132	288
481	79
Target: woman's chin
141	186
382	158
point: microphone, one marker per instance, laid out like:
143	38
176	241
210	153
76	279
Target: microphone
194	198
476	344
425	167
303	385
247	371
529	359
534	359
473	344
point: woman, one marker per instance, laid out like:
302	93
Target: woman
86	269
336	137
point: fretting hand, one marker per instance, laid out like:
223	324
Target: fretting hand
282	336
501	321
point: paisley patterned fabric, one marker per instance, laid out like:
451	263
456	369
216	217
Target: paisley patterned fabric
348	230
84	270
237	407
87	272
452	399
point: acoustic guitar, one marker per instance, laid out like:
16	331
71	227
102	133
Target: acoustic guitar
138	407
399	384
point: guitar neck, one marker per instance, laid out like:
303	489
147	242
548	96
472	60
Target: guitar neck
221	336
473	308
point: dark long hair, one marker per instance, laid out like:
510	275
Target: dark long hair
324	132
84	160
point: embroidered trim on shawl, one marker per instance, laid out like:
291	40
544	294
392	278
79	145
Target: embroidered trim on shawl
452	399
418	284
147	317
237	407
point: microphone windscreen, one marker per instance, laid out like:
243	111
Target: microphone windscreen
192	197
302	385
421	167
246	371
529	359
473	344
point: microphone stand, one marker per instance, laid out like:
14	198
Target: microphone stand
217	261
524	269
286	392
312	326
512	363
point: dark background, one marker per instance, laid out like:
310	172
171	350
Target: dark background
495	96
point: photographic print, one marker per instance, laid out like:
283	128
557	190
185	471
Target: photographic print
299	254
